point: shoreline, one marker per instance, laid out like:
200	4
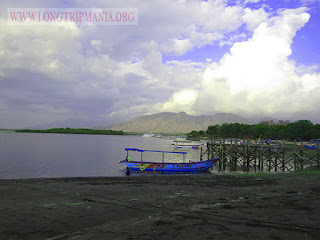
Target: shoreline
138	174
206	206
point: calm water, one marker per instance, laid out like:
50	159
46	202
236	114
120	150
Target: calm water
33	155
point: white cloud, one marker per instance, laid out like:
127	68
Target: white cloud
253	18
251	1
256	77
181	46
183	99
158	86
118	71
303	69
97	44
233	39
190	24
40	48
100	66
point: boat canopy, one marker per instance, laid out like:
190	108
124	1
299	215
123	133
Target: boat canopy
140	150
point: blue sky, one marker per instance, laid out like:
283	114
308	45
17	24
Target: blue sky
304	50
255	58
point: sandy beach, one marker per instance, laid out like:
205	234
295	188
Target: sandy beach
209	206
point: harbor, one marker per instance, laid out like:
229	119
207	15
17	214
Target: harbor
260	155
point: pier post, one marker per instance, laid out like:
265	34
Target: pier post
283	160
269	156
276	157
255	155
220	154
295	157
209	146
212	153
318	157
261	154
235	156
301	154
248	154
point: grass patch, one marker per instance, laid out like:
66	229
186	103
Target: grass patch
310	171
257	174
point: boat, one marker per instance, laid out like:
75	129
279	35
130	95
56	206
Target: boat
315	143
186	144
148	135
166	166
179	138
310	147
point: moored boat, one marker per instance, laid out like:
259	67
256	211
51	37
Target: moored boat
166	166
186	144
148	135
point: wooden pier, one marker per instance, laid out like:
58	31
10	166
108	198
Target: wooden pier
256	155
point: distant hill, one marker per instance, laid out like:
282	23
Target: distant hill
168	122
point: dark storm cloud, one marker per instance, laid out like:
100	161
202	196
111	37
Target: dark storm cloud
22	89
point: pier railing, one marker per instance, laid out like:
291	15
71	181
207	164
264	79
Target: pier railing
256	155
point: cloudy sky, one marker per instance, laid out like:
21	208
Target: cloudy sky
254	58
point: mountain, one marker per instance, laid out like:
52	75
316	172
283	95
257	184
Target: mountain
168	122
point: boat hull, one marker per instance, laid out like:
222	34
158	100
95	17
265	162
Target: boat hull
170	167
188	146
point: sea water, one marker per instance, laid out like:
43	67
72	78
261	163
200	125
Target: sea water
34	155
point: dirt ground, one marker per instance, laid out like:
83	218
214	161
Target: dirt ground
209	206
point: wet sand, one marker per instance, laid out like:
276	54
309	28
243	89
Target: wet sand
210	206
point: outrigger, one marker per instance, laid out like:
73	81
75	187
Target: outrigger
166	166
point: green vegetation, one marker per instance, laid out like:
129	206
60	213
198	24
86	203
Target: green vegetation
254	174
301	130
74	131
311	171
308	172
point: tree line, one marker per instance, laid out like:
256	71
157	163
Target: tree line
300	130
74	131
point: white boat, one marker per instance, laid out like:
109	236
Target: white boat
148	135
186	144
180	138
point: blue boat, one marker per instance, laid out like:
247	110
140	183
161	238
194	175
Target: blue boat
166	166
310	147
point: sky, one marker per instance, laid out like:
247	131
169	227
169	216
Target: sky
254	58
